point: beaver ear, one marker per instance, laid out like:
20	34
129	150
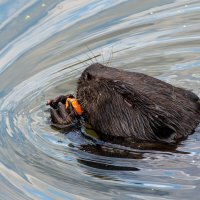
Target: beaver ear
164	132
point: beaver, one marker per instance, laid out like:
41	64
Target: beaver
120	104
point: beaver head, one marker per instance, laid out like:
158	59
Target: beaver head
136	106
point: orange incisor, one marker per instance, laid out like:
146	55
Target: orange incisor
75	105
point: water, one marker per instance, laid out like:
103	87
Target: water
42	46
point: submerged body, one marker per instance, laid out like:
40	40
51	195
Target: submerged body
134	106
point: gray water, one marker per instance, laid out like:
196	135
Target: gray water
43	46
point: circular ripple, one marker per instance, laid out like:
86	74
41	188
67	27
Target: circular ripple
43	58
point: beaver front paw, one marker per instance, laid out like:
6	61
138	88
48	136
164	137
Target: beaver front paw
65	111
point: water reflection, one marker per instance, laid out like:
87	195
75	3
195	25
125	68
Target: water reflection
44	49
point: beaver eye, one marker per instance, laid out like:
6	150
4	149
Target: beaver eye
88	76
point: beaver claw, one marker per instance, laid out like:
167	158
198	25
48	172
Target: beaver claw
62	117
62	98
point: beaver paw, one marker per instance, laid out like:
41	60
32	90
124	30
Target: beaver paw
65	111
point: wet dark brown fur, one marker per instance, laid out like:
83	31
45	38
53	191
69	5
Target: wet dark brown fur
136	106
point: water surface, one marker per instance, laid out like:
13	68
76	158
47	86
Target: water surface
42	48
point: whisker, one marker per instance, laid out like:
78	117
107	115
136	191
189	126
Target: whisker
92	53
80	62
110	58
89	58
102	57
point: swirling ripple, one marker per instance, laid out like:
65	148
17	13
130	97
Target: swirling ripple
44	49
